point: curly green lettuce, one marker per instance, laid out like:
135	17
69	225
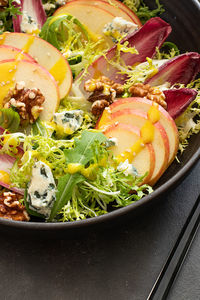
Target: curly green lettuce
189	122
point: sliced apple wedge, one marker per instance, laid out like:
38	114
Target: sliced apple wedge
93	17
156	135
34	76
9	52
127	136
45	54
144	104
117	8
113	9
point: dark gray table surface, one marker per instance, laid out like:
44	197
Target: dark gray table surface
117	263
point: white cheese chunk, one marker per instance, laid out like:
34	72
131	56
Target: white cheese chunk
68	121
127	169
28	24
48	6
119	27
42	189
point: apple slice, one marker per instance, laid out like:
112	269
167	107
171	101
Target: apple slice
9	52
159	138
144	104
127	136
114	9
93	17
34	76
45	54
125	8
117	8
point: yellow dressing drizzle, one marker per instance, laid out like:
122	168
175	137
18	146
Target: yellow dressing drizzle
4	177
8	70
26	48
146	135
153	113
2	38
130	153
28	44
73	168
147	132
58	71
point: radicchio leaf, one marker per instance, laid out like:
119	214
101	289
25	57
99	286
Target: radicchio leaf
34	9
178	100
149	37
181	69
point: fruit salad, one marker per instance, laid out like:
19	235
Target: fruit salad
95	105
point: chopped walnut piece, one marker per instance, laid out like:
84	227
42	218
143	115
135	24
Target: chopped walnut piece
98	107
27	102
151	93
102	89
11	208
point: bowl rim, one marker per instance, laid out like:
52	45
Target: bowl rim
174	180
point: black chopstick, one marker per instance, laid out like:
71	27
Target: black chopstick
177	256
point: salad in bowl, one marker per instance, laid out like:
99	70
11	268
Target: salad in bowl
95	105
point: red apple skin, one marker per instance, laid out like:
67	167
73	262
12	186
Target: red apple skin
118	9
14	51
134	131
19	39
128	10
144	104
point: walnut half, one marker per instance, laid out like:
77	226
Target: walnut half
11	208
27	102
151	93
102	90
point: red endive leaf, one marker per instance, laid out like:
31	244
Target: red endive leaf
145	40
178	100
34	9
181	69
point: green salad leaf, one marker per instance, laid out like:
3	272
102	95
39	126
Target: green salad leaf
6	14
82	153
9	119
143	12
64	30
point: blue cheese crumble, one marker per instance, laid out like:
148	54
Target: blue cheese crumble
119	27
67	122
111	142
28	24
127	169
42	189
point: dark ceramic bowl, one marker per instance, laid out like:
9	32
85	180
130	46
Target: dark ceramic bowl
183	15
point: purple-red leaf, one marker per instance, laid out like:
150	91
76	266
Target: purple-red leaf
32	8
178	100
181	69
145	40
